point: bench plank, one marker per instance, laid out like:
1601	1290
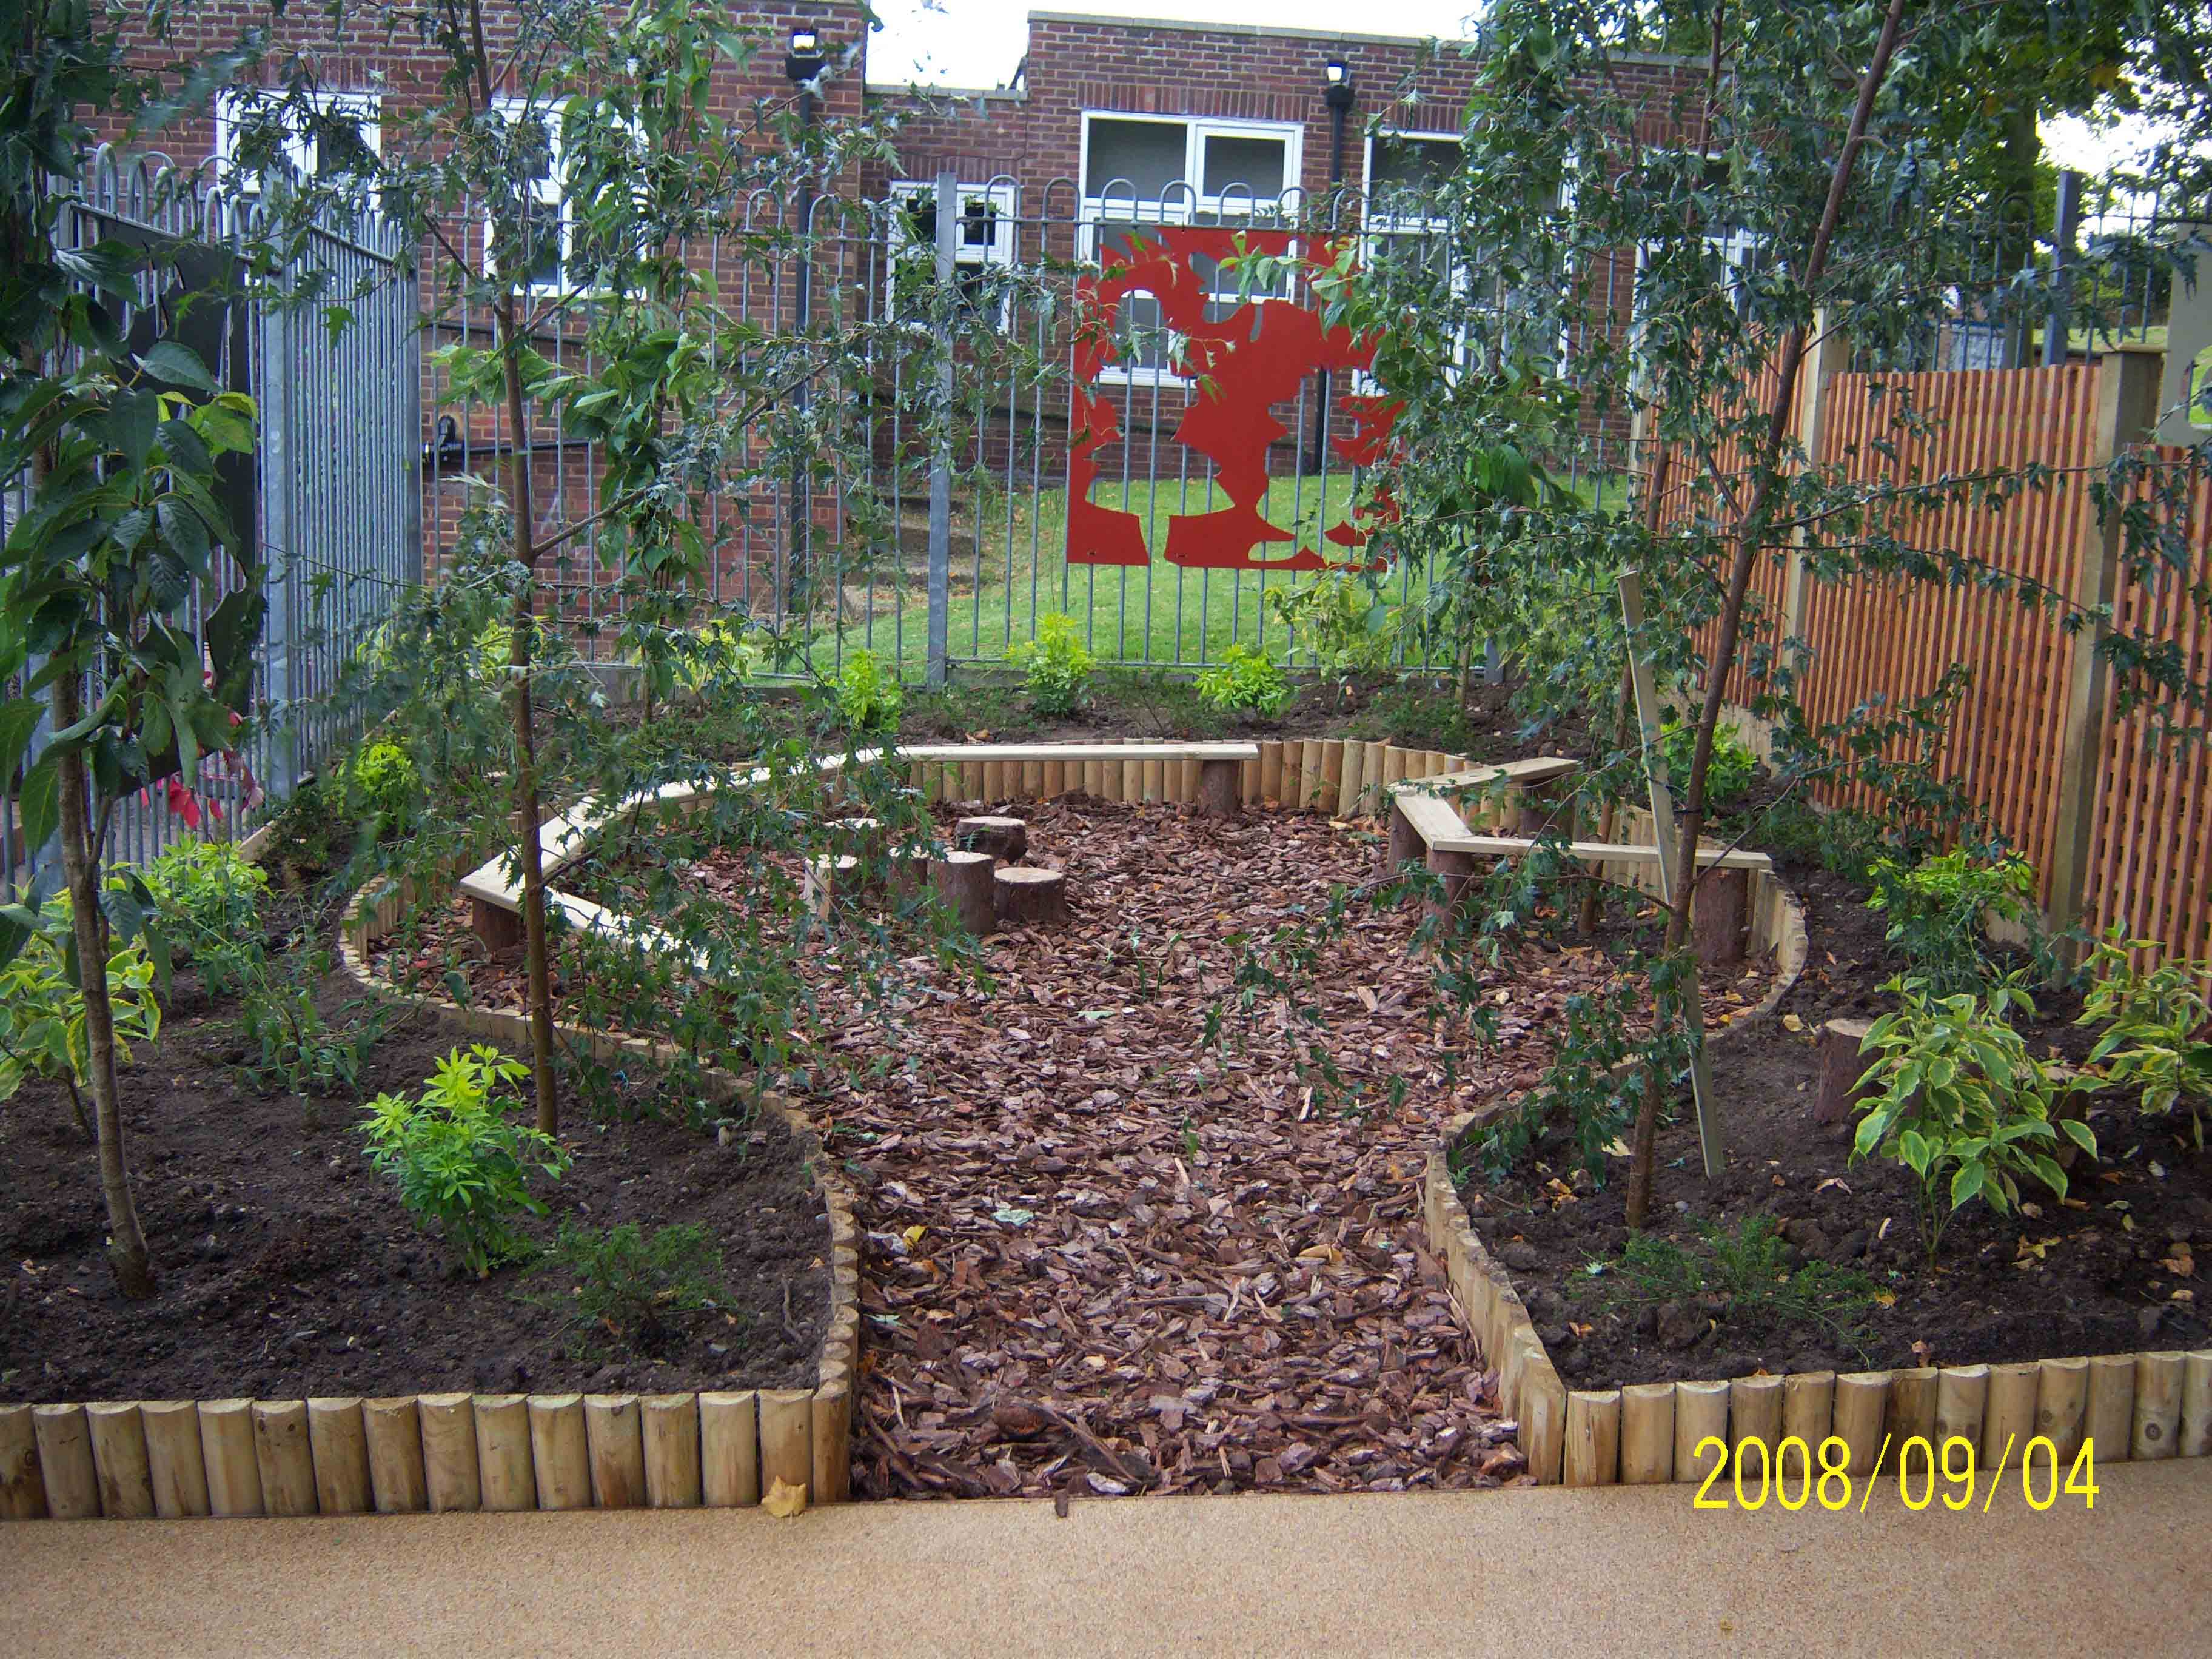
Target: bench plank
1536	770
1509	847
1433	820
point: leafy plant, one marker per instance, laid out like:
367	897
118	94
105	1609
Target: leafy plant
290	1045
382	787
42	1019
1730	772
1343	621
1959	1101
1057	666
869	698
627	1284
1245	679
2158	1034
463	1165
1938	908
1749	1267
210	898
719	654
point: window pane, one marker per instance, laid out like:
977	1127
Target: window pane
1147	157
1422	164
1242	164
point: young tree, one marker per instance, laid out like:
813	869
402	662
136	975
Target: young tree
116	436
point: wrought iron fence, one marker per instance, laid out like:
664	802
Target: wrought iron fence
332	503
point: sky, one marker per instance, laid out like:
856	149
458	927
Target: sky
977	43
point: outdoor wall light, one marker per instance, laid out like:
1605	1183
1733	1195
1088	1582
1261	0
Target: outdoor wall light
804	60
450	451
1338	75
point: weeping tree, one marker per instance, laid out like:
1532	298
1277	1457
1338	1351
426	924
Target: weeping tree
115	435
1605	272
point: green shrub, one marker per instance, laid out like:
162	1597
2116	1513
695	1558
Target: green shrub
1749	1268
1337	617
1245	679
1956	1098
42	1012
624	1283
289	1045
382	787
2158	1034
1056	666
209	900
720	653
1729	775
463	1165
868	698
1937	909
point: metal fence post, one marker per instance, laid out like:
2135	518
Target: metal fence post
280	577
940	461
2055	331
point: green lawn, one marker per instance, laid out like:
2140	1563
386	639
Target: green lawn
1010	567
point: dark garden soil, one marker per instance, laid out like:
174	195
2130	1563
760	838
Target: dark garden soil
287	1267
1104	1255
2108	1269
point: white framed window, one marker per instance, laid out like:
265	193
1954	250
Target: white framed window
549	218
983	243
1141	172
305	152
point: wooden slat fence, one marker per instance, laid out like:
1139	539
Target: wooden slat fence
2149	859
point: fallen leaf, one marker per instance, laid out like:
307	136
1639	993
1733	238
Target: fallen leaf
913	1235
1791	1022
785	1500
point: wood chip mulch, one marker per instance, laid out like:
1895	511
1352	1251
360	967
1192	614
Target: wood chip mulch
1105	1254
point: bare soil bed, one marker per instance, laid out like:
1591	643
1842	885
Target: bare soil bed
2109	1269
1104	1254
287	1267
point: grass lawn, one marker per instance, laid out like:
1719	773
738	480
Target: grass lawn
1010	567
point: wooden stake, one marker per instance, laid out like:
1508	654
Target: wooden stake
672	1451
2156	1431
281	1453
1310	779
1247	781
1842	1065
1962	1393
1647	1434
964	885
1028	897
832	1428
1350	786
971	780
1720	919
1371	768
2009	1414
233	1470
507	1476
1156	779
1031	786
1701	1414
339	1441
118	1456
23	1488
1185	775
1807	1413
451	1483
1406	846
2061	1401
1271	771
559	1455
787	1436
1055	778
2108	1427
1755	1413
1332	774
1294	755
729	1448
174	1462
2196	1405
65	1461
1592	1456
1094	780
996	788
1861	1399
397	1478
614	1440
1911	1412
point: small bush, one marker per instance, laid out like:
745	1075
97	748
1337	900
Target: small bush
1749	1269
1245	679
209	900
868	698
382	787
623	1283
463	1165
1958	1100
1056	666
720	653
2158	1027
1347	627
42	1014
289	1045
1936	911
1728	775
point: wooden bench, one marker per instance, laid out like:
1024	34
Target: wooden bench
1539	768
1606	851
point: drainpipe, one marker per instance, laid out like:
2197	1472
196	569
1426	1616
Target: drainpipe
1337	93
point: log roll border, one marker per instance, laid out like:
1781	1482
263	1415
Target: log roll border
2137	1407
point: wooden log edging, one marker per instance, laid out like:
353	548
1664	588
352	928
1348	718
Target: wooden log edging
2134	1406
443	1452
